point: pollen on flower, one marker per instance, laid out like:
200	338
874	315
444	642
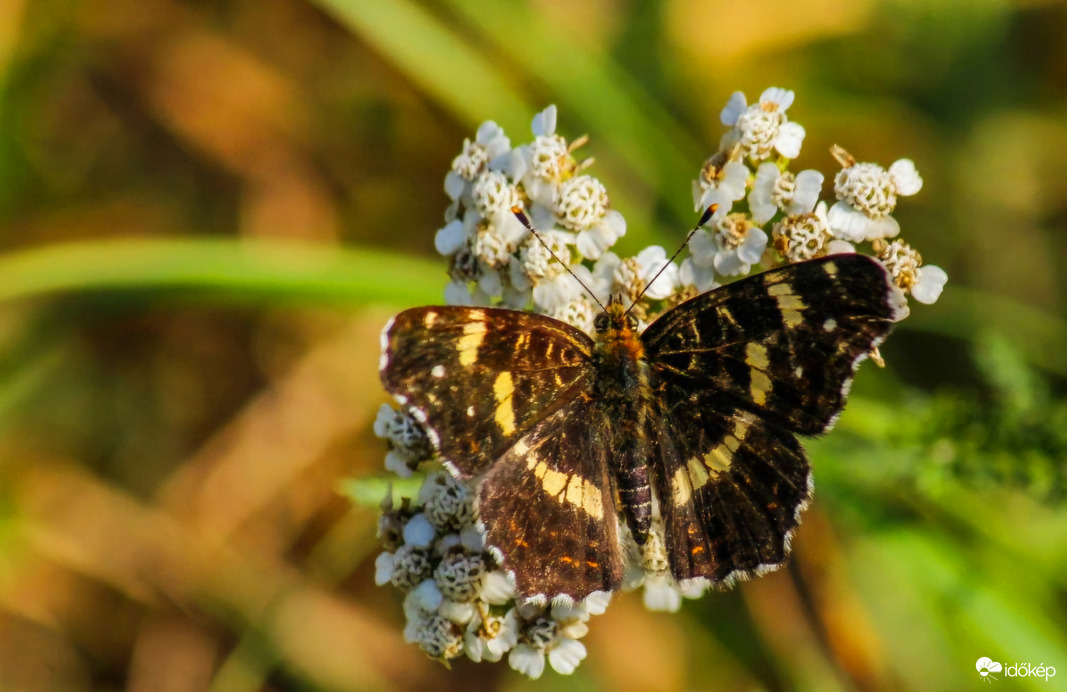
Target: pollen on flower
460	575
411	566
803	237
582	202
902	262
493	194
449	505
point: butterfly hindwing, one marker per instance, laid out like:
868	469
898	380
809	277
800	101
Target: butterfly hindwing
480	378
783	344
731	489
547	507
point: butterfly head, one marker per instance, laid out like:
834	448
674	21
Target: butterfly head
615	320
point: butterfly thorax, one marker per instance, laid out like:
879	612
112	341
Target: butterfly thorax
621	386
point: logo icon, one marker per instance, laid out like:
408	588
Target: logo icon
986	667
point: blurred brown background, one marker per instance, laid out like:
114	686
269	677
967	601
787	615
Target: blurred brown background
178	412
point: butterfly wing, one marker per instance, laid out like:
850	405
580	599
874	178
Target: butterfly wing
480	378
547	507
504	396
737	372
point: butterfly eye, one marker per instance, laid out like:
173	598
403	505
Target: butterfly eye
631	322
600	322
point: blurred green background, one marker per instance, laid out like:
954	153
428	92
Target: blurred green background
208	209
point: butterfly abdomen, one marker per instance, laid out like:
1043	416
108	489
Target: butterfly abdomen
622	387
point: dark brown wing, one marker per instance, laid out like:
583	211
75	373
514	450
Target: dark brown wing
784	344
504	396
548	509
731	489
736	374
480	378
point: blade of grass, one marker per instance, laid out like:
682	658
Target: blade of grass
229	268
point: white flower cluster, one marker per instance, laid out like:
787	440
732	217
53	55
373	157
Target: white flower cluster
493	259
458	601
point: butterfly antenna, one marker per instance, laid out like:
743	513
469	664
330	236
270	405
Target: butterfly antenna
521	216
704	218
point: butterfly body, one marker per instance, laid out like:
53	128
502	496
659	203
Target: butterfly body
696	416
623	391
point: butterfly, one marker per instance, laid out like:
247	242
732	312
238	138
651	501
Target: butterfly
689	428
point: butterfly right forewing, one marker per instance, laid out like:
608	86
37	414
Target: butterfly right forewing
737	373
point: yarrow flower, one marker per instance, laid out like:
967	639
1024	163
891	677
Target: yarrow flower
457	599
762	129
868	195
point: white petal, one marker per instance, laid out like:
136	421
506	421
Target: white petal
419	532
426	596
808	189
509	228
652	256
591	243
885	227
727	263
513	164
473	646
497	589
450	238
457	293
446	543
383	568
397	463
703	249
530	662
491	284
733	109
544	123
899	303
716	196
386	415
783	98
760	201
554	294
487	131
701	278
540	191
566	656
412	630
454	185
839	247
664	284
790	137
693	588
847	223
930	284
698	192
652	260
472	538
735	180
605	267
614	223
497	149
905	177
459	613
597	602
660	596
751	249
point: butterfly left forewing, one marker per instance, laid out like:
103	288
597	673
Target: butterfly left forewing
479	378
